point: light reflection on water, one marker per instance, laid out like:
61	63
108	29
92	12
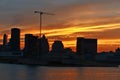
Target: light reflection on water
22	72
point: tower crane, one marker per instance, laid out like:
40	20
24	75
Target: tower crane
41	13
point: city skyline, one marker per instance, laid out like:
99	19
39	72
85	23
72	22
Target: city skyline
38	51
91	19
34	42
84	45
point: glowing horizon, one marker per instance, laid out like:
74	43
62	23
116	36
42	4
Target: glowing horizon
70	41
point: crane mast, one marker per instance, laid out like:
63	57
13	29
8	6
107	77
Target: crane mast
41	13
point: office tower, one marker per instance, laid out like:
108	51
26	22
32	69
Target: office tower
31	46
44	45
6	45
15	39
4	39
57	47
86	46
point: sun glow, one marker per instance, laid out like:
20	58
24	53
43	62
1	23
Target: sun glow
74	29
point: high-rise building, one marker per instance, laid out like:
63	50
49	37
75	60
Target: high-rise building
44	45
6	45
35	47
4	39
31	46
15	39
57	47
86	46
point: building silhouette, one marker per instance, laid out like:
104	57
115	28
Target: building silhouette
86	46
4	39
15	39
44	45
1	46
57	47
6	44
35	47
117	51
31	46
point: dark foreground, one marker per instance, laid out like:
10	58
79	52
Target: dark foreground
38	62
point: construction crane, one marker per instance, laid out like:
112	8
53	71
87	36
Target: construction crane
41	13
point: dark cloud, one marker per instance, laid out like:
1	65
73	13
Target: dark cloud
20	12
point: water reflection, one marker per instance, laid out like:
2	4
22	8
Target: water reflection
101	73
74	73
58	73
22	72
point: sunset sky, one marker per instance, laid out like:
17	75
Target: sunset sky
73	18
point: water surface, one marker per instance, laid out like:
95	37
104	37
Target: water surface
24	72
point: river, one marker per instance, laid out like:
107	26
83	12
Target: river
25	72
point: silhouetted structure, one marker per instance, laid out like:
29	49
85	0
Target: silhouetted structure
86	46
41	13
44	45
4	39
31	46
117	51
15	39
1	47
6	45
36	49
57	47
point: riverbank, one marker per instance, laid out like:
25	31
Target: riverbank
38	62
